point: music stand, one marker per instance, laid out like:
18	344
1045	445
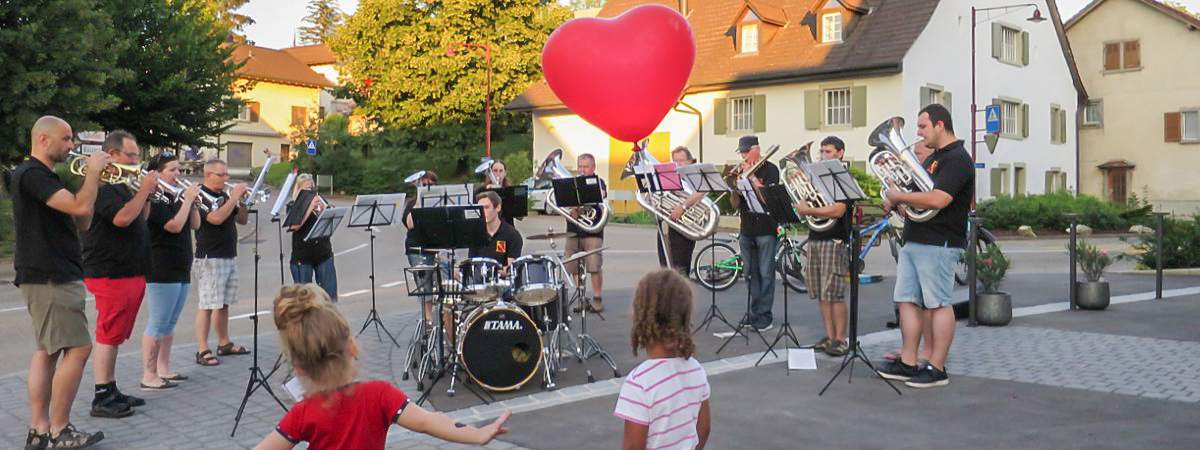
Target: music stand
444	195
327	222
514	201
370	211
654	179
280	201
577	191
258	379
706	178
838	182
779	206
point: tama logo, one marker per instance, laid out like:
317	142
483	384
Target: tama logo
502	325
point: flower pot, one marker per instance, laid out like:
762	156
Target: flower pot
1091	295
993	309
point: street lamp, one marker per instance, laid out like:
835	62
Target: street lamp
1035	18
487	114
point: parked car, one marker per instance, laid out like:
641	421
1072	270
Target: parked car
537	194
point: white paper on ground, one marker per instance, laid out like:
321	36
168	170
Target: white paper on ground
294	388
802	359
723	335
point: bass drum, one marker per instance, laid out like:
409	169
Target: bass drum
500	347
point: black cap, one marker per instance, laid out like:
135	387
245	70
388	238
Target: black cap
746	142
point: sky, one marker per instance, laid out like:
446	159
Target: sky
276	21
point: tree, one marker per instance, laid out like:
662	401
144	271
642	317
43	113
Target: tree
325	18
1181	7
48	69
577	5
230	22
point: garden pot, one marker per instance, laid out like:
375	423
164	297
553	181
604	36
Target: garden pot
993	309
1091	295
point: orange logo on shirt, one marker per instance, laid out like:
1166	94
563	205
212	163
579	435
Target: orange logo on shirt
501	247
933	167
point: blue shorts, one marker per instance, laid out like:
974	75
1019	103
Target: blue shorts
925	274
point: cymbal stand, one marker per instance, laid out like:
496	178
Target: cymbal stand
560	335
588	346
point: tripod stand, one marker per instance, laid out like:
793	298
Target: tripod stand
778	203
553	350
448	364
258	379
587	346
714	312
375	217
747	318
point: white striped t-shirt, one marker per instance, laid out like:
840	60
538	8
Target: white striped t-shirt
665	395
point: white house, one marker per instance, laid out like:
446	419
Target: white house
794	71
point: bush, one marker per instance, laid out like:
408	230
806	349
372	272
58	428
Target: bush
991	266
639	217
1181	238
1092	261
1045	212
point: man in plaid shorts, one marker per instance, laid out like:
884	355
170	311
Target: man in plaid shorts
216	263
828	262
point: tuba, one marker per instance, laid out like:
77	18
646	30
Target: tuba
800	187
698	221
894	161
485	168
591	218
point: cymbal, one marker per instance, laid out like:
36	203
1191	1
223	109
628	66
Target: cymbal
581	255
539	237
431	249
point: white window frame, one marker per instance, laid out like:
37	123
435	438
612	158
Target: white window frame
1010	119
749	43
741	114
837	107
1189	134
1096	107
1010	45
831	27
244	113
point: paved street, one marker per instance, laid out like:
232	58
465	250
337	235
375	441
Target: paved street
1120	378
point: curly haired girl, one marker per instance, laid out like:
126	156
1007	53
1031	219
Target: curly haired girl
337	411
664	400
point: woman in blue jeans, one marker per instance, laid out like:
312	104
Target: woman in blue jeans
312	259
171	226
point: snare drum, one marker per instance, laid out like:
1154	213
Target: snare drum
500	347
535	280
481	276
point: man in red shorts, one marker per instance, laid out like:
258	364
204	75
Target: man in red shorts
115	251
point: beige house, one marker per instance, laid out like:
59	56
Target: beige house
1141	127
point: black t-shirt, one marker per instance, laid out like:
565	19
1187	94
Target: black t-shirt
110	251
217	241
753	224
953	173
311	252
837	231
170	253
47	241
579	232
506	243
412	239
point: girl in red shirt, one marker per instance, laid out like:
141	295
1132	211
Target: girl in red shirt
339	412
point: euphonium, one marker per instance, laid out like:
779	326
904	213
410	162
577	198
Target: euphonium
801	189
698	221
591	218
895	161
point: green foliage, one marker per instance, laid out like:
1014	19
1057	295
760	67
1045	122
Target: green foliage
1092	261
637	217
990	267
57	60
324	18
577	5
869	184
1181	238
1046	212
222	12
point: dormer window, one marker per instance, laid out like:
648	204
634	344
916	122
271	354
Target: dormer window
831	27
749	38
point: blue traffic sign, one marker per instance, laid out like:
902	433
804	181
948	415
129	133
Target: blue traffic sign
312	147
991	115
980	165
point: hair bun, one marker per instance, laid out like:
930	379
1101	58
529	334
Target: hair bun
294	303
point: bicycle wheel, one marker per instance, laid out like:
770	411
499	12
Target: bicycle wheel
717	266
789	262
960	272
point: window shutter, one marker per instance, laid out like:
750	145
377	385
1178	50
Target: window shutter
1172	131
858	106
1112	56
760	113
720	116
1024	48
997	182
925	100
253	111
1024	113
1133	57
1053	125
1062	126
1062	181
812	109
946	102
1050	182
997	40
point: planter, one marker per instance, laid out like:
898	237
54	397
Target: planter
993	309
1091	295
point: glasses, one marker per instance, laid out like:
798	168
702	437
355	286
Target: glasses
221	174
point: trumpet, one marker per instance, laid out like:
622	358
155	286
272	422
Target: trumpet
250	198
127	174
205	201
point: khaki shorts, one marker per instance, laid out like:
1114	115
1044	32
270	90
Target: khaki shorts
57	310
592	262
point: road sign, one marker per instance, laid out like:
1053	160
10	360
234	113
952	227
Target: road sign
991	114
991	139
980	165
312	147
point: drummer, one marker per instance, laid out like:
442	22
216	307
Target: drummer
504	242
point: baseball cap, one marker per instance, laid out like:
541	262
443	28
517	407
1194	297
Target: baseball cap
746	142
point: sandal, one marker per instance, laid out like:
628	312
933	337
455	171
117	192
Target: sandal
206	358
231	349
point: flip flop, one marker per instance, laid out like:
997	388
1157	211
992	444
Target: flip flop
231	349
206	358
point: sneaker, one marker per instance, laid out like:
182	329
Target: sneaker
837	348
36	441
597	305
111	409
763	328
129	399
896	370
928	377
820	345
69	437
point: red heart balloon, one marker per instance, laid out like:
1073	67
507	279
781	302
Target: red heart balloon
621	74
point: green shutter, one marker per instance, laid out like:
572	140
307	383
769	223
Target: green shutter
1062	181
812	109
1053	125
1024	113
1025	48
997	182
1049	182
997	40
925	100
858	106
760	113
947	103
1062	124
720	116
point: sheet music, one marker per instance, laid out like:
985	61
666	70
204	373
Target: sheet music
262	175
284	193
378	209
326	223
668	177
746	187
444	195
703	177
836	180
645	178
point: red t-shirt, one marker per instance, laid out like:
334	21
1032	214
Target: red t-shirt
358	417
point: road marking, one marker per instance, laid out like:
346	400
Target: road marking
394	283
246	316
343	252
22	308
353	293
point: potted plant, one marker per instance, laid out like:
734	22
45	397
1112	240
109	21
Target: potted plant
1092	294
992	307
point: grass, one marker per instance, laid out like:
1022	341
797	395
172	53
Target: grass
637	218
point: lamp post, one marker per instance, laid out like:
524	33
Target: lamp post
487	114
1037	17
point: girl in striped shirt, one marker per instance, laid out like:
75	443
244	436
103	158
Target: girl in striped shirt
664	400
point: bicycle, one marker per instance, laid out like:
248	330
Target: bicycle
895	241
719	265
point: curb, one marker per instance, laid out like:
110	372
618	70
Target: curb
1187	271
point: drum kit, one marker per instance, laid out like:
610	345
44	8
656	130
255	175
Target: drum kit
500	327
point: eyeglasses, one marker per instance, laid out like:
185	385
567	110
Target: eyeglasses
221	174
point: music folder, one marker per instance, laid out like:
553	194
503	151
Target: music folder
514	200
